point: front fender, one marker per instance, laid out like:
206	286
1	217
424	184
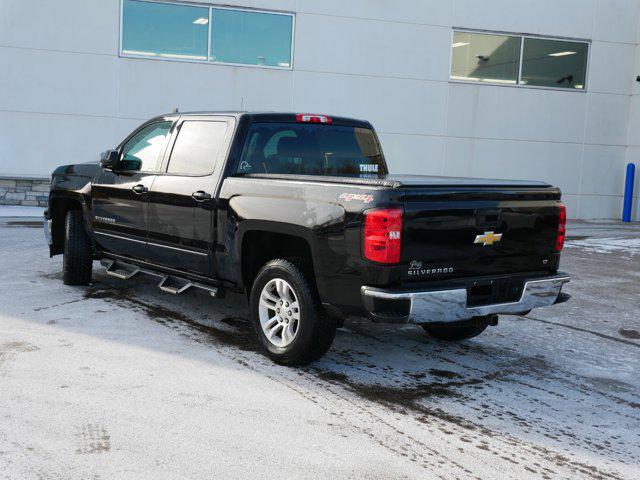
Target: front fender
68	192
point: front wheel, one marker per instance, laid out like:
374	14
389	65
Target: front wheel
286	316
455	333
77	260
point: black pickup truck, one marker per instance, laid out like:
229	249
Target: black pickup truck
299	212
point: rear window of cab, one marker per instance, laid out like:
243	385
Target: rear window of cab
311	149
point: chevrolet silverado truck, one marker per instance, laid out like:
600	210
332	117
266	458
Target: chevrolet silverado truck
299	212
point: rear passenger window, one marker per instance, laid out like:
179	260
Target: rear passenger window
197	148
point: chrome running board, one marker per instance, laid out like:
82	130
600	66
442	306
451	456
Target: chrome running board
168	283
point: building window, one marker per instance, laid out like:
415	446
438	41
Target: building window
251	38
485	58
164	30
519	60
554	63
219	35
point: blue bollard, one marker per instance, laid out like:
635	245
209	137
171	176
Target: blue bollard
628	193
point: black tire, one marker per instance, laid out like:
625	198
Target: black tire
315	330
455	333
77	261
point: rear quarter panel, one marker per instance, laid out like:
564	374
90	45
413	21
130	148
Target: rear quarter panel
328	216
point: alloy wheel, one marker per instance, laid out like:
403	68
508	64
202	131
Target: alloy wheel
279	312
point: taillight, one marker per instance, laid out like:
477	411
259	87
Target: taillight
383	235
562	227
312	118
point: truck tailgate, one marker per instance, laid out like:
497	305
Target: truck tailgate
479	233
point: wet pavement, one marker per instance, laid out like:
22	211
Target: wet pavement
118	380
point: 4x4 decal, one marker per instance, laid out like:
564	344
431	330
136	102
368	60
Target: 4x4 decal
363	197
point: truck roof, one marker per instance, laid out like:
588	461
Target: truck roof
257	116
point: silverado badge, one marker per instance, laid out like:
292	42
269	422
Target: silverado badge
489	238
415	269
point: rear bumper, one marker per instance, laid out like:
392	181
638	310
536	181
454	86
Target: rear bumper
448	306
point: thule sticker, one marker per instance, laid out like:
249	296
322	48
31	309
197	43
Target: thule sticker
363	197
368	168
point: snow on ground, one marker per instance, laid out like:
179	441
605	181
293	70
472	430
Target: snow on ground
118	380
630	246
20	211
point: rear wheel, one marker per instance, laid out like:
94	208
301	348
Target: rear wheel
77	261
286	317
455	333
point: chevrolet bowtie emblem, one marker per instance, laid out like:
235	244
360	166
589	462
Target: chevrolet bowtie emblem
489	238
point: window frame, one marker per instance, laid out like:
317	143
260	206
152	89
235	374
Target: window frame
209	7
522	37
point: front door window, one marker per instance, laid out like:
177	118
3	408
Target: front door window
143	150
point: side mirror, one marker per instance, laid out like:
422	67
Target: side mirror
109	159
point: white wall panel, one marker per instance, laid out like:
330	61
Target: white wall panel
35	144
599	206
122	128
568	18
607	119
70	25
635	89
149	87
372	47
633	156
413	154
611	68
520	114
56	82
428	12
634	121
616	20
461	109
603	170
392	105
459	156
555	163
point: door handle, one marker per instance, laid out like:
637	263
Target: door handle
201	196
139	189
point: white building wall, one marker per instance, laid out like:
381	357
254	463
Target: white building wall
65	95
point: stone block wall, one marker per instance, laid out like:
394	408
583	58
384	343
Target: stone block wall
33	191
